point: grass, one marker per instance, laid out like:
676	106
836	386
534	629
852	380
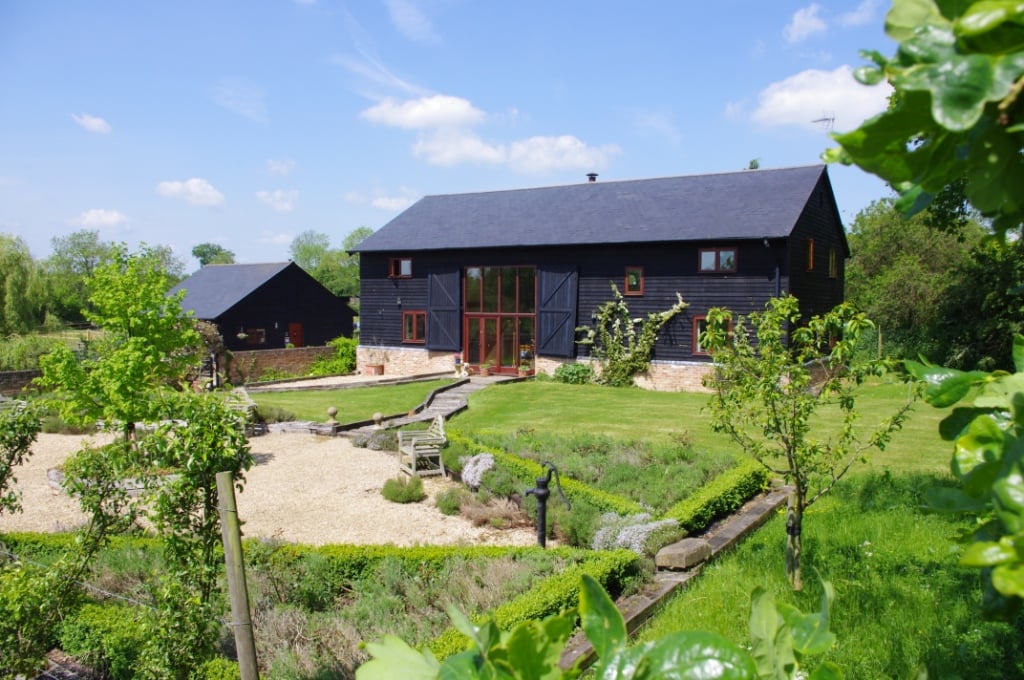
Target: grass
902	602
353	403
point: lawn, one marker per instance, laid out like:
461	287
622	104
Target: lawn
353	403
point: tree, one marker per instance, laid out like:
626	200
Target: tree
75	257
898	283
766	393
148	344
21	308
212	253
334	268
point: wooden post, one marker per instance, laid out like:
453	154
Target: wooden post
241	621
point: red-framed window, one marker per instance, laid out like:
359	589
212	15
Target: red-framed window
414	327
700	324
833	263
400	268
717	260
810	254
634	281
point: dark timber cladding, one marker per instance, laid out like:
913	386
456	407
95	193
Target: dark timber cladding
731	239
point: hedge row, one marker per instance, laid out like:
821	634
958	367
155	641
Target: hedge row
612	569
531	470
723	494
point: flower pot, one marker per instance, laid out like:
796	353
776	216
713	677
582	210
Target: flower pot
485	371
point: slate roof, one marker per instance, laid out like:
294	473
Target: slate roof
216	288
735	205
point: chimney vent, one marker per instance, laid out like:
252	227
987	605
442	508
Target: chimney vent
591	176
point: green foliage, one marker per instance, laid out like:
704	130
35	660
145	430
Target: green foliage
21	296
765	395
107	638
404	489
273	414
449	502
220	668
724	494
988	460
957	73
575	373
342	362
19	427
783	638
73	260
212	253
22	352
148	344
333	267
615	343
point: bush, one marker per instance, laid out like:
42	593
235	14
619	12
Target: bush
342	362
220	669
725	493
574	374
107	638
404	489
22	352
633	533
273	414
450	502
376	440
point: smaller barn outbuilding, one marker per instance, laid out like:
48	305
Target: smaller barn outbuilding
266	306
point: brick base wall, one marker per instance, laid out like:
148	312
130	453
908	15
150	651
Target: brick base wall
244	367
403	360
12	382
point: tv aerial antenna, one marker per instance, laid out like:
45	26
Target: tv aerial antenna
827	119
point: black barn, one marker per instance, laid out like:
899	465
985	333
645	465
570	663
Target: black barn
266	306
506	277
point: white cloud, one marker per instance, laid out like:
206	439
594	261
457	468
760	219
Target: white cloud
426	112
804	24
242	97
540	154
813	94
452	146
196	191
282	201
92	123
411	22
280	166
392	202
98	218
280	239
863	15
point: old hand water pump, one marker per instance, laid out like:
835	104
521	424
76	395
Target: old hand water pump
542	492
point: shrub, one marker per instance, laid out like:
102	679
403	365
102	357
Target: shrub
342	362
22	352
273	414
376	440
474	468
107	638
574	374
220	669
270	374
404	489
449	502
725	493
633	532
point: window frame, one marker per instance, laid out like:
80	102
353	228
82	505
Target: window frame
414	314
695	348
718	268
396	266
626	289
833	263
810	254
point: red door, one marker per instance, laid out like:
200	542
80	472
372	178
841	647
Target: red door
295	334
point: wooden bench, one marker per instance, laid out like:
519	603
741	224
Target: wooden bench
419	451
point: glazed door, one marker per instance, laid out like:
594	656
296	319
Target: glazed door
482	340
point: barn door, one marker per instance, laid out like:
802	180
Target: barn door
444	310
556	313
294	335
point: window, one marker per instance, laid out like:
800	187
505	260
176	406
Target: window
700	324
254	336
414	327
399	268
810	254
718	259
634	281
833	264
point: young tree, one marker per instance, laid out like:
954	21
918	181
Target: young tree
212	253
768	387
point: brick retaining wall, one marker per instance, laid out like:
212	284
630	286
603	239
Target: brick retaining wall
244	367
12	382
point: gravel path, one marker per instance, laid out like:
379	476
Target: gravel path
303	489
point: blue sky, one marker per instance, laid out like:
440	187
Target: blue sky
247	123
